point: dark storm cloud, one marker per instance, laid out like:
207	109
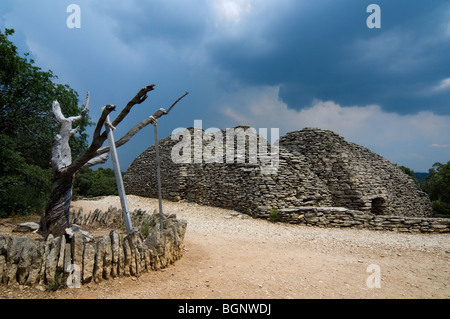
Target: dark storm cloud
174	22
324	50
265	63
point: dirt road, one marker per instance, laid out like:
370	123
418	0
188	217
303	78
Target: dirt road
228	256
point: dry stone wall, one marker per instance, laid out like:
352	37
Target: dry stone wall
342	217
79	256
356	177
316	168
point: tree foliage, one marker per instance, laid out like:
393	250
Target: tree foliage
89	183
24	187
407	171
27	129
437	185
26	96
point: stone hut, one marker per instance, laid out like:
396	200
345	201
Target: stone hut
314	168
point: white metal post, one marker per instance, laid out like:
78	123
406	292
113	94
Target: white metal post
118	175
158	175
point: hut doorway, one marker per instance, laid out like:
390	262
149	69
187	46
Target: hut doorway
378	206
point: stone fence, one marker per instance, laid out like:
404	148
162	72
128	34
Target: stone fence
342	217
78	258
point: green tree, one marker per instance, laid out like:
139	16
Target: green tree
27	129
407	171
411	174
26	96
89	183
24	187
437	185
31	114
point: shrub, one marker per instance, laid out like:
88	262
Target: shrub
59	283
274	215
24	187
437	185
89	183
440	208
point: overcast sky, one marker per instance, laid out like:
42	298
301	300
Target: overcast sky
284	64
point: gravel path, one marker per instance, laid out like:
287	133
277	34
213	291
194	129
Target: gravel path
211	220
230	256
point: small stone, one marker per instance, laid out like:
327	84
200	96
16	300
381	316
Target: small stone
40	288
77	248
51	259
86	236
88	262
27	227
115	244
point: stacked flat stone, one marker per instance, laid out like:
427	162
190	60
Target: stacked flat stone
31	262
316	168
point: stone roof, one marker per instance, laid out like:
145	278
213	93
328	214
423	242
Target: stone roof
315	168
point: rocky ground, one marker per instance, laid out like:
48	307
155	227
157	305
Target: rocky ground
228	256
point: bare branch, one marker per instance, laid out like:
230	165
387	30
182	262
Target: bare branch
94	154
86	104
128	136
64	170
97	142
105	112
138	99
83	113
179	99
101	159
99	138
74	131
133	131
57	111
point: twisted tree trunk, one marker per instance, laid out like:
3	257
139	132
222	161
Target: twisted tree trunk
58	206
56	217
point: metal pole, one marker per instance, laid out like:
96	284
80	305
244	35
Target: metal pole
118	175
158	175
154	121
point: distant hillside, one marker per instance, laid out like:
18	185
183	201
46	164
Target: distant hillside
421	176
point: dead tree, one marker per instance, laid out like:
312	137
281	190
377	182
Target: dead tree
56	217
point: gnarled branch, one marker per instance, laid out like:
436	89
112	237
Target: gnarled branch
74	119
56	108
140	97
101	159
91	156
101	121
135	129
61	153
56	217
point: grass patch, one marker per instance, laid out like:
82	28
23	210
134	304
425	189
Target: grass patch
147	226
59	283
274	215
